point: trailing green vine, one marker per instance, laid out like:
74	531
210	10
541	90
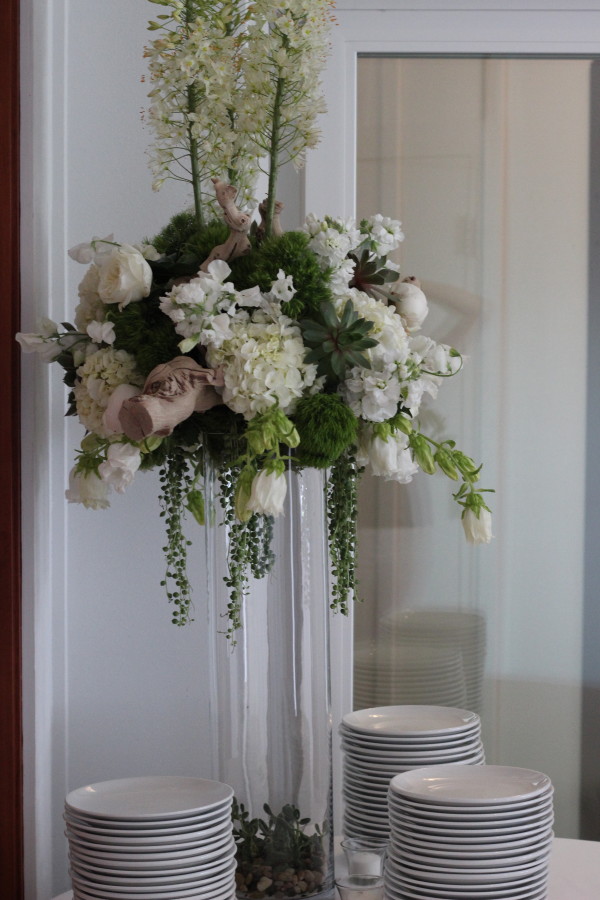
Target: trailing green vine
177	480
342	514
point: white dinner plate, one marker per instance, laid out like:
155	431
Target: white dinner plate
162	892
118	878
416	873
394	892
146	833
424	844
149	797
223	893
436	757
499	860
469	835
415	741
471	785
223	811
467	815
411	720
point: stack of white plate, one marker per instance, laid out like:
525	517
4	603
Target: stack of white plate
379	743
478	832
460	630
395	673
151	838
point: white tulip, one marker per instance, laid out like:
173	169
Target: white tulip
87	489
267	494
122	462
478	529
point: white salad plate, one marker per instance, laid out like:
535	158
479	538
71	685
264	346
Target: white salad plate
408	743
175	834
198	884
468	876
409	720
438	757
477	786
149	798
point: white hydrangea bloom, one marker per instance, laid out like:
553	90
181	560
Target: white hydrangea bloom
262	363
98	376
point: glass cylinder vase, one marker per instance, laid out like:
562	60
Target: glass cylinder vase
271	712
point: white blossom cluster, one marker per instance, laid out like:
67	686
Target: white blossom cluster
231	80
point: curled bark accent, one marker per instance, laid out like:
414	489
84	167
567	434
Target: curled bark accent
237	243
172	392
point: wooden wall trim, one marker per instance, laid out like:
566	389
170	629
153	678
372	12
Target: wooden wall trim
11	756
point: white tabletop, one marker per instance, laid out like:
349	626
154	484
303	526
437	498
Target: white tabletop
574	871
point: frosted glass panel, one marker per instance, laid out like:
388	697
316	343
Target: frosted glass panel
486	163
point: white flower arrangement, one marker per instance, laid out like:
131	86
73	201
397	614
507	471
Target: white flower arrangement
263	348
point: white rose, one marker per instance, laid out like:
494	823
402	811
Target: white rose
125	276
87	489
122	462
267	494
478	530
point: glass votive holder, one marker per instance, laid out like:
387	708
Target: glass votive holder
364	856
360	887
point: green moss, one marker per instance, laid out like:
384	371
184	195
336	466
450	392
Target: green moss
145	332
326	427
288	252
180	238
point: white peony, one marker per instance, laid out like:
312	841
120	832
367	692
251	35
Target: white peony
122	462
478	530
268	492
87	489
410	303
125	276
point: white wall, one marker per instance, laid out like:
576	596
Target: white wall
112	689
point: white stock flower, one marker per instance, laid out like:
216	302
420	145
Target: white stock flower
194	305
385	234
478	530
87	489
268	492
124	276
102	332
90	307
122	462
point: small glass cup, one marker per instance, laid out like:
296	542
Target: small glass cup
365	856
360	887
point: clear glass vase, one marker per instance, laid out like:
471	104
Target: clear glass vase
272	716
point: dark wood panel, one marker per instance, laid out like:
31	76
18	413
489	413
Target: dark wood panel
11	757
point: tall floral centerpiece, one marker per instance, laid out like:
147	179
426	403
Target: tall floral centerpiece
242	361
